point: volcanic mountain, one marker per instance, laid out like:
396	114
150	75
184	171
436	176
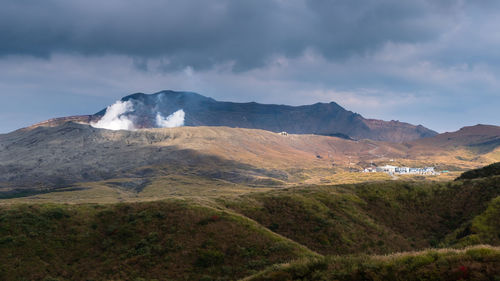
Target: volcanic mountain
328	119
228	202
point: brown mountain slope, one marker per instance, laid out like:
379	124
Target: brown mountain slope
397	131
466	147
472	136
74	152
71	153
83	119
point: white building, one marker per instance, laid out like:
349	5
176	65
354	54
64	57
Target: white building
387	169
402	170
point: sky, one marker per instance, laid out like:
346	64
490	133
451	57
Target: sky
429	62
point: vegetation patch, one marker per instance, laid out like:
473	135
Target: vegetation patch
488	171
371	218
233	236
158	240
479	263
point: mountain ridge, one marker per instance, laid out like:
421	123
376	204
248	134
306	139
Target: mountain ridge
318	118
328	119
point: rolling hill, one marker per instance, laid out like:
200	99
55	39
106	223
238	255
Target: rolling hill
374	231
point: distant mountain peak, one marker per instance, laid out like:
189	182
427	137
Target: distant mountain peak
168	94
319	118
136	96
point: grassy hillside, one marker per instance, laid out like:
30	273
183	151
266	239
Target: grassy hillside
173	239
488	171
458	214
478	263
379	217
483	229
319	232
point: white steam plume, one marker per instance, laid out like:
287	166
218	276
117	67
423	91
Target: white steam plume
114	118
175	119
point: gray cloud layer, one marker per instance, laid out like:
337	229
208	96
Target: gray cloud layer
434	62
203	33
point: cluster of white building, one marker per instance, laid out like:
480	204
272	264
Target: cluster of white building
402	170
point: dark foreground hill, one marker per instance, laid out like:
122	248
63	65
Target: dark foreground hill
327	231
167	240
488	171
476	264
321	118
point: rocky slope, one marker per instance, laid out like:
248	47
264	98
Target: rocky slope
70	153
484	137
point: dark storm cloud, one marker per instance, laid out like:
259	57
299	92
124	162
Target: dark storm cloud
204	33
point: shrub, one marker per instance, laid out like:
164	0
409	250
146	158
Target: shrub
209	257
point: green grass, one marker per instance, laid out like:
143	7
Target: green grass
223	231
488	171
483	229
371	218
323	219
159	188
161	240
478	263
